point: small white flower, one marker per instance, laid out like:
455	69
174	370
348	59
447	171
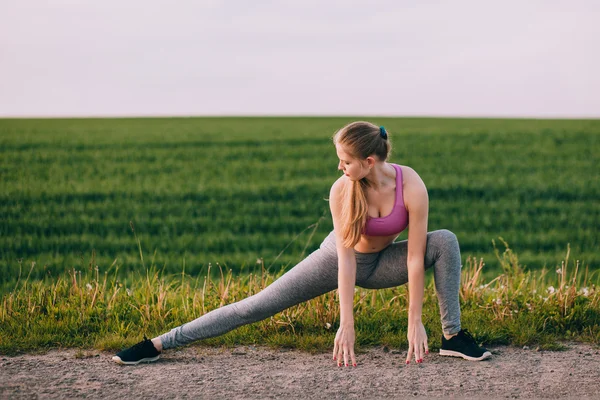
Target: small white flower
534	291
498	301
585	291
481	286
129	292
501	286
551	289
559	271
88	286
328	325
259	260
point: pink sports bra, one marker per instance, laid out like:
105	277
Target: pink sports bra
394	223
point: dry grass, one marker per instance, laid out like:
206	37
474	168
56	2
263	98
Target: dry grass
90	308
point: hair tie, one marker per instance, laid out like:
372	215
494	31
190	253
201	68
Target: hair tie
382	132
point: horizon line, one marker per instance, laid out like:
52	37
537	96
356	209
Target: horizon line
414	116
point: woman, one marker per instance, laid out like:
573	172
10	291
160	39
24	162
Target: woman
371	204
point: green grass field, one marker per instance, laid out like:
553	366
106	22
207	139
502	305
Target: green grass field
231	190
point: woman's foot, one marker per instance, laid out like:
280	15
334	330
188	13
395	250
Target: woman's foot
144	351
463	345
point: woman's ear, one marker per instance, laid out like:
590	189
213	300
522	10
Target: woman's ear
370	162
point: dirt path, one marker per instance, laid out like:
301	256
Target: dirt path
250	372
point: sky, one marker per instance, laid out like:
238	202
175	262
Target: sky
79	58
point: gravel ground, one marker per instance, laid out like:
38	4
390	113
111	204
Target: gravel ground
256	372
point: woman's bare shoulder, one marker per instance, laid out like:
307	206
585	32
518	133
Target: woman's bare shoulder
336	194
409	175
413	187
338	186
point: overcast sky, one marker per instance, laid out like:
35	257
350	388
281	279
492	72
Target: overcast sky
303	57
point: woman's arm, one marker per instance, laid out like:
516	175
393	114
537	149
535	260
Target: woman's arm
417	204
344	341
346	284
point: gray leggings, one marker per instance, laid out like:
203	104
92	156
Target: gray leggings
317	274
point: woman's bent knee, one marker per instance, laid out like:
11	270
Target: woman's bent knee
443	237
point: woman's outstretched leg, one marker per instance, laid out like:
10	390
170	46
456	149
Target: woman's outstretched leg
312	277
443	254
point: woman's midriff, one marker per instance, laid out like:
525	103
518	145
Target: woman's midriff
373	244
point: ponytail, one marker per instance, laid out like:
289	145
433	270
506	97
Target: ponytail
354	212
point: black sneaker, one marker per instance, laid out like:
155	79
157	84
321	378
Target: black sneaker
144	351
463	345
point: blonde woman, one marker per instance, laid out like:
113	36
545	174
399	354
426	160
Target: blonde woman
371	204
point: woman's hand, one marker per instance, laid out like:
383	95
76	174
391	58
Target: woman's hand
417	341
344	345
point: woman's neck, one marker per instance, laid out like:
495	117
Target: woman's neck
381	175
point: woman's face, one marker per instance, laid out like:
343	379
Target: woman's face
352	168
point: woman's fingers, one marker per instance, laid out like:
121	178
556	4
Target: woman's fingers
343	353
417	344
337	352
343	348
418	352
346	355
410	352
335	348
340	354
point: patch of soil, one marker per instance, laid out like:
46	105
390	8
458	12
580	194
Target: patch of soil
257	372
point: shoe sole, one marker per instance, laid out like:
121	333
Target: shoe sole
118	360
451	353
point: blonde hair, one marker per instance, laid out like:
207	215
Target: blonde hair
360	140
